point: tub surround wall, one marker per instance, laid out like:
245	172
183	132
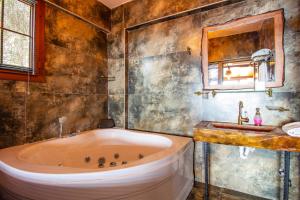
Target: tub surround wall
138	12
135	13
91	10
162	77
116	63
76	57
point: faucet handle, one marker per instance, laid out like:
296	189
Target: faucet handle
241	104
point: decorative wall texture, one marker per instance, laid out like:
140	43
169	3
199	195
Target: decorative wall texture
91	10
162	78
138	12
233	47
76	57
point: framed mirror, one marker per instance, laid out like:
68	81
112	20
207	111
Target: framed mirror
245	53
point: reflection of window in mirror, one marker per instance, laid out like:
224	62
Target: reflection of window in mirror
230	73
243	51
229	53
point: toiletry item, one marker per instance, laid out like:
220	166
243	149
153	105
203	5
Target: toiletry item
257	118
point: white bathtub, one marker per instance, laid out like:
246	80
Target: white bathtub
138	166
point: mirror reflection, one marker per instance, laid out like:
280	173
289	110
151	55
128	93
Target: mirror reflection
242	54
230	51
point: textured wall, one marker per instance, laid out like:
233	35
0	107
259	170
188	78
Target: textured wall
116	48
137	12
76	57
233	46
91	10
162	77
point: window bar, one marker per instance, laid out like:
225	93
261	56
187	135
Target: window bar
19	33
31	45
29	2
2	23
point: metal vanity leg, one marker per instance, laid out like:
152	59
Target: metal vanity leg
206	169
287	160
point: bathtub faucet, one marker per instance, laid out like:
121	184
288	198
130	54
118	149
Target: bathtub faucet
61	121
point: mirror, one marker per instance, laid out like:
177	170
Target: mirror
244	54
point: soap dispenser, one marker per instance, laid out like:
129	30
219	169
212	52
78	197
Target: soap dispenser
257	118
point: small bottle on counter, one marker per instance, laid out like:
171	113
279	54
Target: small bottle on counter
257	118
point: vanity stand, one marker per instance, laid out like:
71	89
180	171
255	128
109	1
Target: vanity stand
265	137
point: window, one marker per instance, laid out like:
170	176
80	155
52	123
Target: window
231	72
22	40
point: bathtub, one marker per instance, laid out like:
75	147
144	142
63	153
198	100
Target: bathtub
99	164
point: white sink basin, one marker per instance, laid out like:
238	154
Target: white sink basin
292	129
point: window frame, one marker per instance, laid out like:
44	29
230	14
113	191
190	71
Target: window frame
39	51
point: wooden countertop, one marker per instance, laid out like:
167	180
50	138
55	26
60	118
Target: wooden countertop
274	140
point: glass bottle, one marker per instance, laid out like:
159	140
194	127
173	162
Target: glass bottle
257	118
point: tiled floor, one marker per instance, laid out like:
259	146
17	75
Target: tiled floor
216	193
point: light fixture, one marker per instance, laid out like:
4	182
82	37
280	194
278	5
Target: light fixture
228	73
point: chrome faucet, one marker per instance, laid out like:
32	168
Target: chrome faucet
241	119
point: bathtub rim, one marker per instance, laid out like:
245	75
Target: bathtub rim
10	162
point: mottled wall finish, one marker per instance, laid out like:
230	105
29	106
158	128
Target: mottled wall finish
138	12
163	76
91	10
162	79
116	63
233	47
76	57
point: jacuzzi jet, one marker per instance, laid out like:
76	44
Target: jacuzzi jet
116	155
101	165
113	164
141	156
124	162
101	161
87	159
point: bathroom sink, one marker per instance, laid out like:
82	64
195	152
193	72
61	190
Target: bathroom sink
244	127
292	129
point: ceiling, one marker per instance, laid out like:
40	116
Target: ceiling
113	3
